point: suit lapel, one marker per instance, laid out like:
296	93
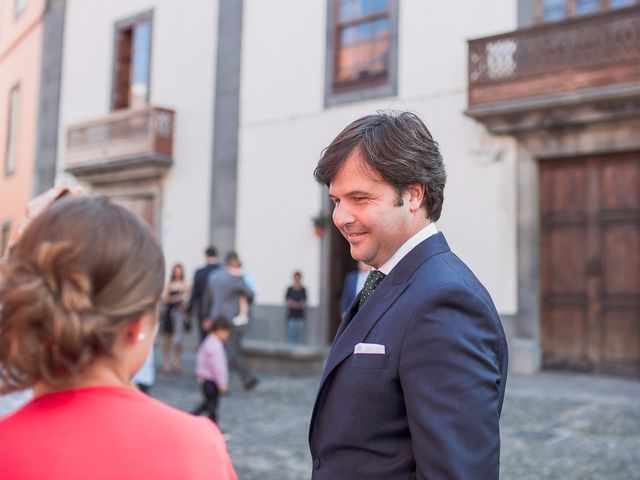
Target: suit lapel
358	323
354	330
348	316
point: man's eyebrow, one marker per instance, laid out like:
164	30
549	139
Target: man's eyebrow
358	193
354	193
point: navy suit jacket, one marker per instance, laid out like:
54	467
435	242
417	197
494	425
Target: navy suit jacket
429	407
348	291
200	279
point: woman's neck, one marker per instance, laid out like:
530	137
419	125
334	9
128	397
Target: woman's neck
101	373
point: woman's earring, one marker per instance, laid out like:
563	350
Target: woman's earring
141	336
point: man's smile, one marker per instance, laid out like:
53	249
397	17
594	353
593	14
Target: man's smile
354	236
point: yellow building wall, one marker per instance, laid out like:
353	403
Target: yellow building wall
20	56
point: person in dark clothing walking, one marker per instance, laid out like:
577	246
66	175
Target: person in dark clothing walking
197	309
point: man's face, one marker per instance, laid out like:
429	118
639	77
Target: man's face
366	212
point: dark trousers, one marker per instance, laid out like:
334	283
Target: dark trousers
235	357
209	403
202	332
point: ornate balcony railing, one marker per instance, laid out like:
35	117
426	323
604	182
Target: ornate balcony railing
584	52
124	136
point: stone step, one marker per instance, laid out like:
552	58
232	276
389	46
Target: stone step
277	357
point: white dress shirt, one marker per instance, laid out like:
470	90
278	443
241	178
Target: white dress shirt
407	246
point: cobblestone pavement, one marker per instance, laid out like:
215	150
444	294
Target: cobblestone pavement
554	426
563	426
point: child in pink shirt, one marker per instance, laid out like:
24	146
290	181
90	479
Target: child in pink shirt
212	370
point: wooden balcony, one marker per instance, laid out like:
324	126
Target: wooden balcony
588	66
127	144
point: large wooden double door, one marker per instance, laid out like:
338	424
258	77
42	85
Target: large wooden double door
590	263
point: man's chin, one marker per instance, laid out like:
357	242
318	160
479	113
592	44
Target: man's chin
358	256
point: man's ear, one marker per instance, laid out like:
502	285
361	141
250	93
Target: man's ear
415	196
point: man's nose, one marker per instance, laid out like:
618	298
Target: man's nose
342	215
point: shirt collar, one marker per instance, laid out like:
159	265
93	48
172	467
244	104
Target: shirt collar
407	246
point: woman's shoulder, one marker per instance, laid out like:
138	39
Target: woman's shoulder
118	416
183	428
119	402
164	412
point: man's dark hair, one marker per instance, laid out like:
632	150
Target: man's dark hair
396	145
221	323
211	251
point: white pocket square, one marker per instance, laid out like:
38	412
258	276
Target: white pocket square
374	348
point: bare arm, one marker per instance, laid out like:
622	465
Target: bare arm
243	305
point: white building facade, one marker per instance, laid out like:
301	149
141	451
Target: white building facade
290	111
124	63
208	120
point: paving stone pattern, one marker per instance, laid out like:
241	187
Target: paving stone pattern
554	426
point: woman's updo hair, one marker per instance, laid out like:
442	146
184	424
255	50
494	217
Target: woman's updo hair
83	269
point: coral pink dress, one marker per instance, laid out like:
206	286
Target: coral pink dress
107	433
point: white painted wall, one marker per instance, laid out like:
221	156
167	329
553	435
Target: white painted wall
283	59
184	41
284	127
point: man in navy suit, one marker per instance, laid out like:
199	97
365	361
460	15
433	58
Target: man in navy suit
415	379
353	283
197	308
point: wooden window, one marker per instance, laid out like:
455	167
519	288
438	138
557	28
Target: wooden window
621	3
18	7
555	10
362	41
132	62
362	50
12	131
585	7
4	236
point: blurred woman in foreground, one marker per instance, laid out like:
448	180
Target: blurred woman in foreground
79	294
